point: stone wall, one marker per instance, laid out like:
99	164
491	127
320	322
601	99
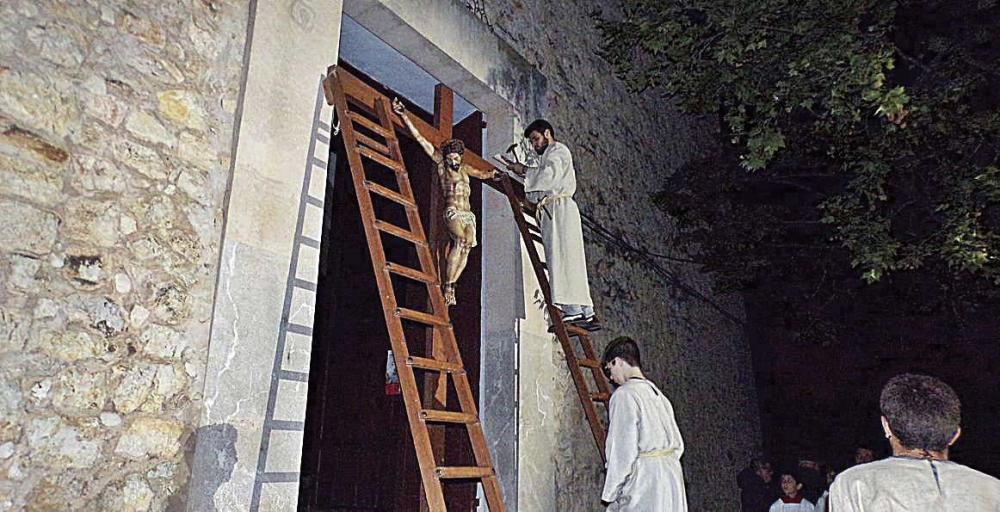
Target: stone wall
624	145
115	137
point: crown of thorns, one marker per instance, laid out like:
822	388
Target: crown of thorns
452	146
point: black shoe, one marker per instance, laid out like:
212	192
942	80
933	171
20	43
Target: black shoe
592	324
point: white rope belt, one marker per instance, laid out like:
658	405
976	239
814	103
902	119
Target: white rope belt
540	206
655	454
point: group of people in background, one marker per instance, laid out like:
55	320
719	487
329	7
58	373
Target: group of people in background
803	486
921	419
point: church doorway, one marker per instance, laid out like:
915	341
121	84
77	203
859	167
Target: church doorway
357	451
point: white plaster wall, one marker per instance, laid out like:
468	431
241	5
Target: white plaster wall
291	45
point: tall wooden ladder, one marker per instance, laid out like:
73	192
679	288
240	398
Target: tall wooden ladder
591	393
362	149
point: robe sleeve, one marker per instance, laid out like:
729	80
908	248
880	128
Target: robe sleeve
553	171
622	446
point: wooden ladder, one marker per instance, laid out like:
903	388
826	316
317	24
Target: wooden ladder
362	148
578	363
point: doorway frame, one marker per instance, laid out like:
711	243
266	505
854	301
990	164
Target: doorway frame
273	122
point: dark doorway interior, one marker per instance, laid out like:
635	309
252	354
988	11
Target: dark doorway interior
357	450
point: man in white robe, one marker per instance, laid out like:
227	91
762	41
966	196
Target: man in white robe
550	186
644	445
920	417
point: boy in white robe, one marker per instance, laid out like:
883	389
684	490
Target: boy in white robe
920	417
792	500
644	445
550	186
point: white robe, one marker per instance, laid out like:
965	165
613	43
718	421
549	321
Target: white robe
900	484
821	503
803	506
644	449
559	220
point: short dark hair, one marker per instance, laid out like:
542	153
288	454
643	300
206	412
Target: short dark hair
452	146
923	412
794	473
625	348
539	125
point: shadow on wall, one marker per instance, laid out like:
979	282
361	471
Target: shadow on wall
217	458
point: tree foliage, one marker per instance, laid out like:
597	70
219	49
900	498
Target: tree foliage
853	134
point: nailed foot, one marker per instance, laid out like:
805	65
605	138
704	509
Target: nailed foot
449	294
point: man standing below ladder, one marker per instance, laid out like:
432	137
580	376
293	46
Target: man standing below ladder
550	186
644	445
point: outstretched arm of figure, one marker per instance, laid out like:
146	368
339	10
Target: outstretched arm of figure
400	109
491	174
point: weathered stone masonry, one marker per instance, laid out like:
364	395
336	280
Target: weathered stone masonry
623	146
115	138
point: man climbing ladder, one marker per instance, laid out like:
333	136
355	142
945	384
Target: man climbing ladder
550	186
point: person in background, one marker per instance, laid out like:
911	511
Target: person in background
758	487
791	499
863	454
822	504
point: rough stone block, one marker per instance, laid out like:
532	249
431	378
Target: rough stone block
26	228
149	437
38	103
146	127
131	495
55	444
182	108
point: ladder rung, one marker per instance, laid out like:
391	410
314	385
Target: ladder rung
411	273
371	143
527	208
535	237
434	364
589	363
600	397
368	123
532	227
400	232
389	193
447	472
381	159
448	416
420	316
573	330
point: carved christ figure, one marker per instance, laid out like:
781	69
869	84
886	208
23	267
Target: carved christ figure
453	175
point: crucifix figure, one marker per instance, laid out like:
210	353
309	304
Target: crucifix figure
453	175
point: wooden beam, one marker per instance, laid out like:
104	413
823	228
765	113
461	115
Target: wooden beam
444	110
367	96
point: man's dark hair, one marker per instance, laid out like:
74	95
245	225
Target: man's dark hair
539	125
625	348
452	146
923	412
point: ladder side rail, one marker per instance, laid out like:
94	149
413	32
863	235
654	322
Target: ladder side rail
579	381
422	444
